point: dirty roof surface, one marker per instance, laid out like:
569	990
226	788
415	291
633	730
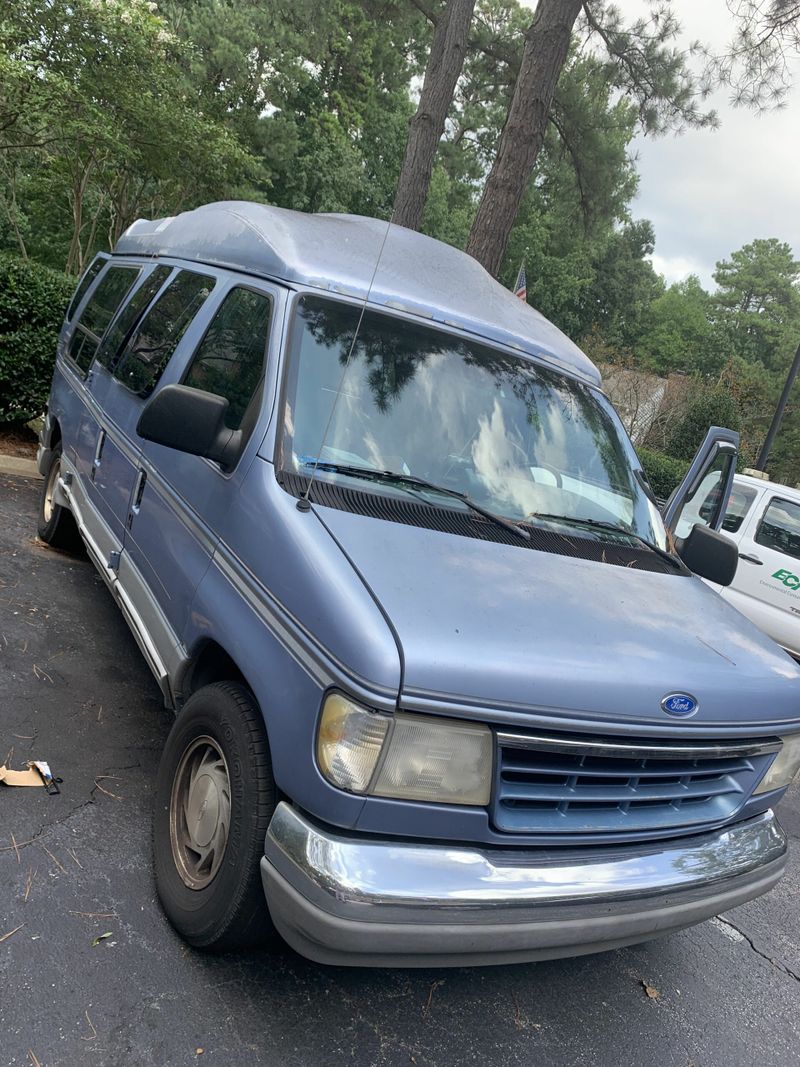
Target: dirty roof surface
338	253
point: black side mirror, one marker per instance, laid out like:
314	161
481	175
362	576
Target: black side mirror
190	420
710	554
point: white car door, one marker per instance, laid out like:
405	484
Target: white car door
741	505
767	584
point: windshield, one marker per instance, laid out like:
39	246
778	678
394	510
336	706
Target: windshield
513	435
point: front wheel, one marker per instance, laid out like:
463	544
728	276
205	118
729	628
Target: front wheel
215	796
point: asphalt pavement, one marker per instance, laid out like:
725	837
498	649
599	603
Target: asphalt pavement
74	868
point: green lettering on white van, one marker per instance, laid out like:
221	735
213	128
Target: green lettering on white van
791	581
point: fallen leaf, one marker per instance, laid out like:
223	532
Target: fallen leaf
650	991
101	937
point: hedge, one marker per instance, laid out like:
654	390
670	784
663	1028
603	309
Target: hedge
710	405
33	300
663	472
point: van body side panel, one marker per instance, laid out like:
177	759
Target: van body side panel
782	624
290	554
68	407
166	530
114	457
184	499
766	588
168	545
72	407
285	603
287	682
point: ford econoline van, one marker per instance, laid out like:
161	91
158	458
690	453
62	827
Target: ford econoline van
447	688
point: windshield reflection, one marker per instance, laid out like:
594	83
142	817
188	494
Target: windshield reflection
513	435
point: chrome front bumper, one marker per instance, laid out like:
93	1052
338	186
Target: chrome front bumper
362	901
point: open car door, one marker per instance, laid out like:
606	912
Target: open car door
702	496
695	511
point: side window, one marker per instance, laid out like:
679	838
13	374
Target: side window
780	527
702	506
155	339
230	359
738	507
98	313
130	315
93	270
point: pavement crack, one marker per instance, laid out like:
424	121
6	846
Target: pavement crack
777	964
47	827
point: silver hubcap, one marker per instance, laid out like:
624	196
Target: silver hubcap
50	490
200	812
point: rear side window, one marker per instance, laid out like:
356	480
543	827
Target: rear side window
738	507
94	269
130	315
155	339
230	359
110	292
780	527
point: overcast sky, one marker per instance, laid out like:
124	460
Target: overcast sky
708	192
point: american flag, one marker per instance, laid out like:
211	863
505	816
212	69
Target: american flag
521	287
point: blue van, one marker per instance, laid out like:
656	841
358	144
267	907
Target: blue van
448	687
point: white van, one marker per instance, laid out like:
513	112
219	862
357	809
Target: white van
764	520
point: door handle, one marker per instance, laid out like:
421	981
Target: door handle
138	493
98	452
751	559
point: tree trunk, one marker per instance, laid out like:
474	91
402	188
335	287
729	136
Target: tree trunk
546	46
12	212
79	182
427	126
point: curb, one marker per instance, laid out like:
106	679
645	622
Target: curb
21	468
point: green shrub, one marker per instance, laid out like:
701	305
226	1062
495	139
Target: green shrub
33	300
709	406
663	472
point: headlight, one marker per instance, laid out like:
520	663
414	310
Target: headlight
410	757
784	767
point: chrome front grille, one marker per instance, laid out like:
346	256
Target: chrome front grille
571	784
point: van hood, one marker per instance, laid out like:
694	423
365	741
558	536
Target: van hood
522	636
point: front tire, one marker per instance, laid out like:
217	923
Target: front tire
56	523
215	796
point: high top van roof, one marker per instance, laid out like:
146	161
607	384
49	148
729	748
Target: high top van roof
338	253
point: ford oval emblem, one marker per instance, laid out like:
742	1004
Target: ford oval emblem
680	704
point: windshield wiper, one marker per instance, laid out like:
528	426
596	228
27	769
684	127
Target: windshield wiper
600	524
411	481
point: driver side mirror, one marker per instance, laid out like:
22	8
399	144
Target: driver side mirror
709	554
190	420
